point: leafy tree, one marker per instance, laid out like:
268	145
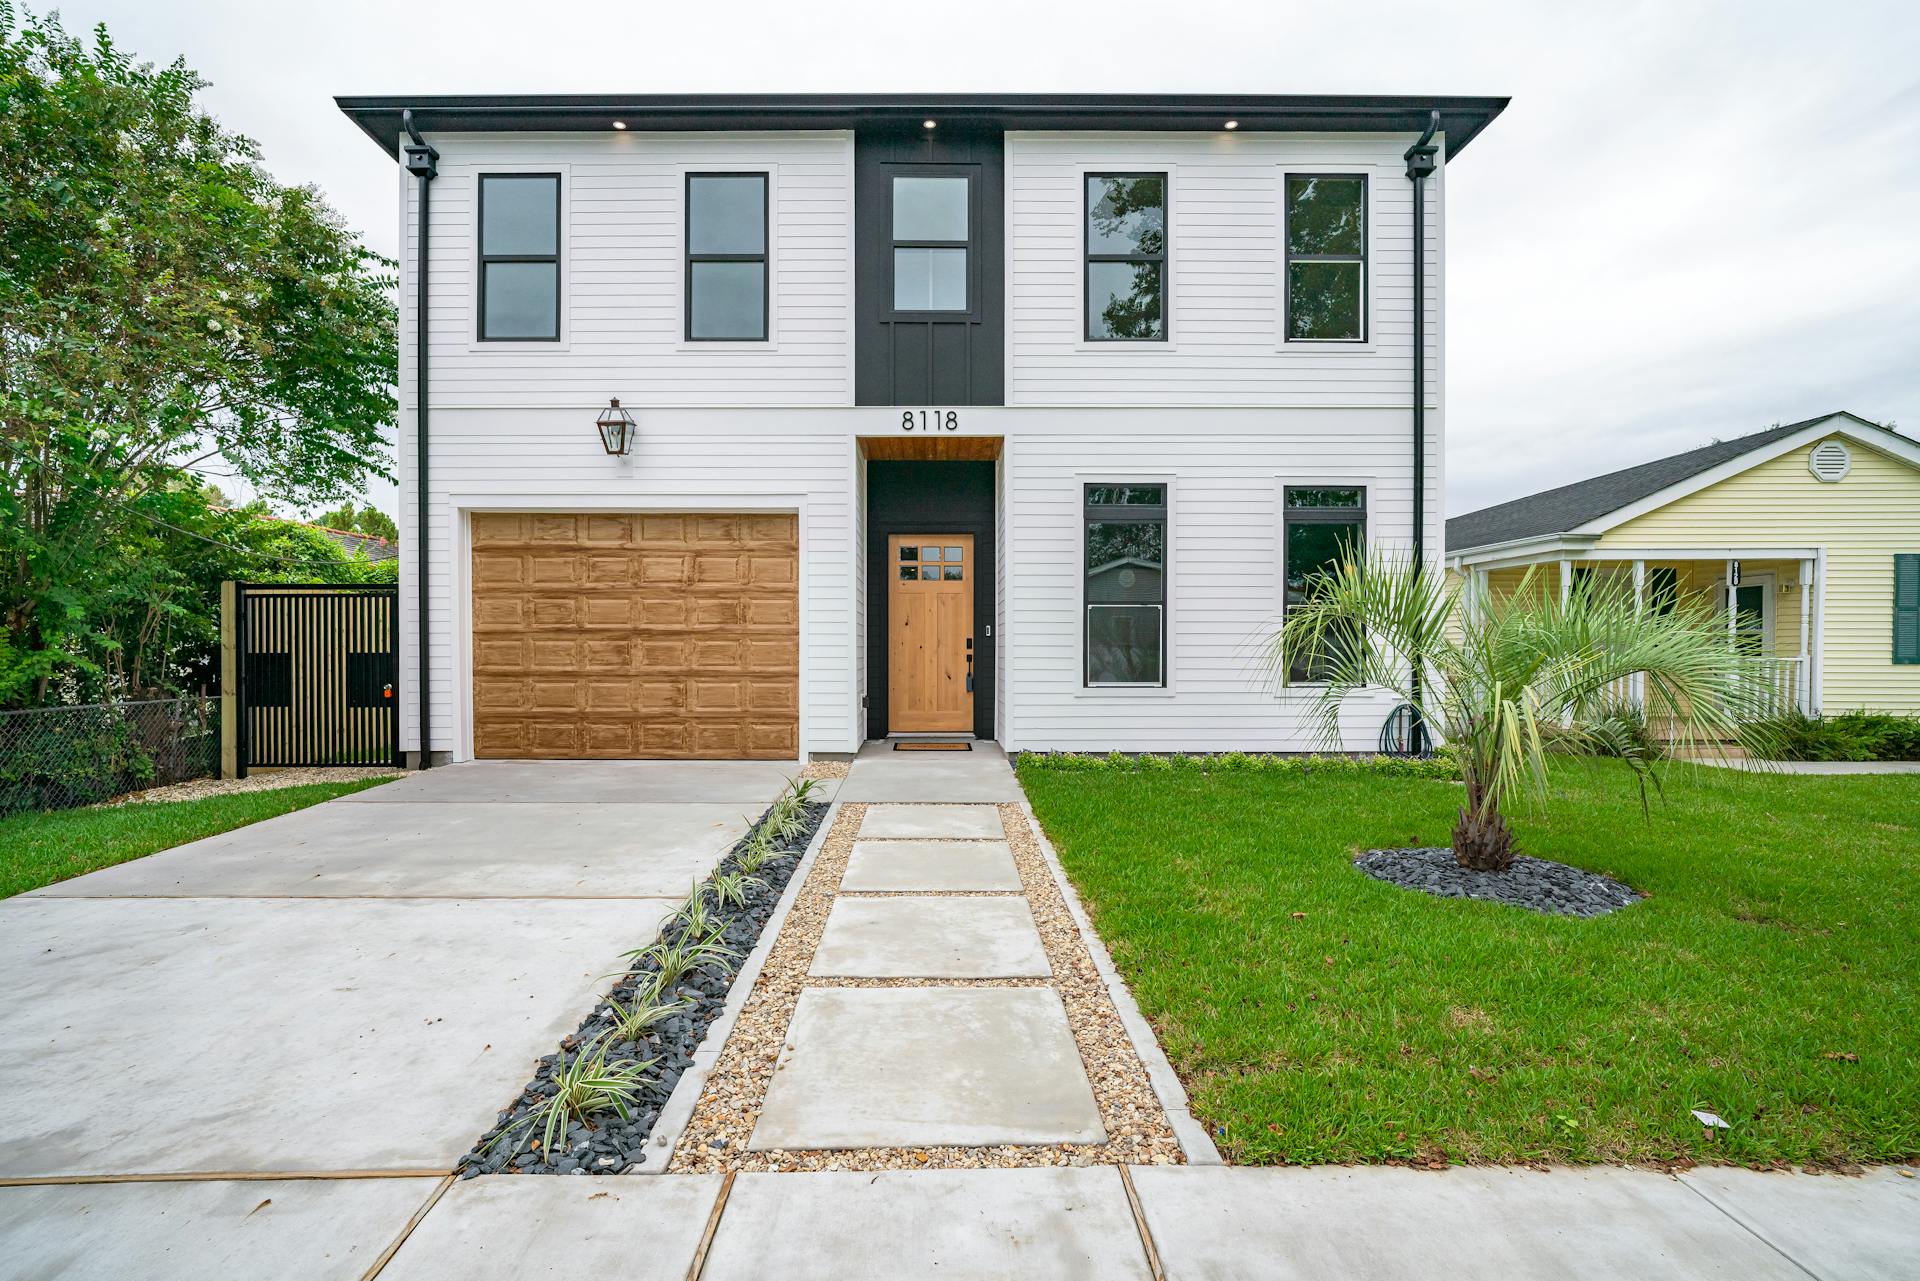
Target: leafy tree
1511	679
363	520
163	302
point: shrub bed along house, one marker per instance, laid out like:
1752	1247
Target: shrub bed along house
1851	736
592	1104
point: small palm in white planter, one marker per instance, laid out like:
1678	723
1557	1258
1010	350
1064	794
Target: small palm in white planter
1510	679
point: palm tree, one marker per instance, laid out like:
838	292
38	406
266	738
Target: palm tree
1508	680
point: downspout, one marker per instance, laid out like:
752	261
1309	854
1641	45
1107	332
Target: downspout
421	163
1420	166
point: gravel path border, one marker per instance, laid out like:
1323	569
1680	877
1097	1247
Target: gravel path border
607	1144
1536	884
1138	1130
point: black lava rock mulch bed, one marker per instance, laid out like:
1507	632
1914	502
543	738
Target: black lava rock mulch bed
1533	883
606	1144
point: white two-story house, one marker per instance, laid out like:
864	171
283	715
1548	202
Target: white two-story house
1017	417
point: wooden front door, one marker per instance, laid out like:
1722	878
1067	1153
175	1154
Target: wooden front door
930	632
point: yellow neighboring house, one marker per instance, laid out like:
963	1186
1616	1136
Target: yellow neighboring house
1813	527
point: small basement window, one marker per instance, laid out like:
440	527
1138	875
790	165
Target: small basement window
727	257
1125	579
1326	258
520	257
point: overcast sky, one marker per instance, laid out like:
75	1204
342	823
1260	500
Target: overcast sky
1693	221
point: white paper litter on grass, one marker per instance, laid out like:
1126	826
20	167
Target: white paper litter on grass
1710	1119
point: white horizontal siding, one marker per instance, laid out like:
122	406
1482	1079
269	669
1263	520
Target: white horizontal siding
623	275
1224	270
1226	469
710	459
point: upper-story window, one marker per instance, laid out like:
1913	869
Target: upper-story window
1326	258
1126	257
932	218
520	257
726	257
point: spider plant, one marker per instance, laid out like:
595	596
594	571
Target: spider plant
784	820
674	961
697	918
1514	678
585	1086
641	1012
802	789
730	889
755	852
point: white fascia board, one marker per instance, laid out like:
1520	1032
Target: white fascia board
1858	430
1523	551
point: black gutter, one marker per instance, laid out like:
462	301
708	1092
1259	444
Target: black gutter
1420	166
1461	117
421	163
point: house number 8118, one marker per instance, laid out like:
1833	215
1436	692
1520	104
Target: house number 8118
929	420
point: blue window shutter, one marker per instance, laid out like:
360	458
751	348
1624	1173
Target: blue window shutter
1906	607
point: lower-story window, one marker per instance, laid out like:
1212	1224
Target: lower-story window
1125	584
1324	525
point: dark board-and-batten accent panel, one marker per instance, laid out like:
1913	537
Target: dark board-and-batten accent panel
955	355
925	497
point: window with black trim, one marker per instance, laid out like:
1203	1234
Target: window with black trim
1324	524
1126	248
1126	584
520	257
932	229
1326	257
727	257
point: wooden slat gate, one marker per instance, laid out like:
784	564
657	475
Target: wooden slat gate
319	671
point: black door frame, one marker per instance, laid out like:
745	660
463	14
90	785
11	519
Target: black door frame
914	497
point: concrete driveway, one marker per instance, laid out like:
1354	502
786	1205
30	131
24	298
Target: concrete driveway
355	987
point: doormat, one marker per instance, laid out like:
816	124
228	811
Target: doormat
918	745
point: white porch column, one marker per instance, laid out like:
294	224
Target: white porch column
1639	608
1482	589
1804	693
1566	581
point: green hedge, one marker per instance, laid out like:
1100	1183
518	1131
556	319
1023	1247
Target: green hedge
1440	765
1850	736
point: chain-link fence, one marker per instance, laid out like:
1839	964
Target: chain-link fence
58	757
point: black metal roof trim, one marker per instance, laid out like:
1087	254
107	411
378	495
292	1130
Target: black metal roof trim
1462	118
1555	511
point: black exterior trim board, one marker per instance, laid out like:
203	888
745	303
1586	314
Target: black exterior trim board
1462	118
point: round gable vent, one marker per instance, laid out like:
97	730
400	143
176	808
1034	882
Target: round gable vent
1829	461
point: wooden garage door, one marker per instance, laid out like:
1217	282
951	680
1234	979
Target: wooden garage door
636	636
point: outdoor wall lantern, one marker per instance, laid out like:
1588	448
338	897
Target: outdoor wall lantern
616	428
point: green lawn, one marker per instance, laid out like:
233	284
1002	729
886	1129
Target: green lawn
1316	1015
39	849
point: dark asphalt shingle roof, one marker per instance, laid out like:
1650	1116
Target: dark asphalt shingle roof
1554	511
